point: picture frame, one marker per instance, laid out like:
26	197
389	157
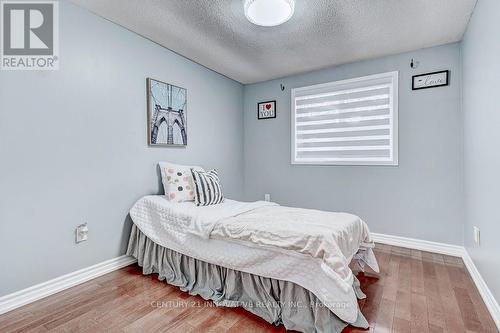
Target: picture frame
266	110
166	114
430	80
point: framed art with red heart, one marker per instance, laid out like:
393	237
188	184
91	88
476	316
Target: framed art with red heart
266	110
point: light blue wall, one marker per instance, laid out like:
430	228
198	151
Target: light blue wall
481	107
421	198
73	145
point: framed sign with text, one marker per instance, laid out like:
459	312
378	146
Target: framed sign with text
430	80
266	110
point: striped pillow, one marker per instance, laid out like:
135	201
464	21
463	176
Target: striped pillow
208	190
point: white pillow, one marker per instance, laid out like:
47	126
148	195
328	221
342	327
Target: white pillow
178	181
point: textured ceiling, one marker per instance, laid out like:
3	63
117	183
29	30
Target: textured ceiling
322	33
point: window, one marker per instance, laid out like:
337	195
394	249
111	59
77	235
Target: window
350	122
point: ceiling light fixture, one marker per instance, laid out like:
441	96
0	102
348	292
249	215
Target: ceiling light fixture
269	13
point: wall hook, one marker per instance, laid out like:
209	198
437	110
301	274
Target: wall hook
413	63
282	87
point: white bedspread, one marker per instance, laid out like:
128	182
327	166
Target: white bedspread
308	247
332	237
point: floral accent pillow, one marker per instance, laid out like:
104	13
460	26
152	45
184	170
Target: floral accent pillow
178	181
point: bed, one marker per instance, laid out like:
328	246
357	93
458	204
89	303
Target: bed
287	265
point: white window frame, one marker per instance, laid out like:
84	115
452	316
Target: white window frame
393	161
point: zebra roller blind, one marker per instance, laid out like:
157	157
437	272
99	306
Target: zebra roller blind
353	122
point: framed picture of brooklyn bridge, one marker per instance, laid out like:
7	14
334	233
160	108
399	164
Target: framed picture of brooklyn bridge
166	114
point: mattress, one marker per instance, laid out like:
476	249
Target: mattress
187	229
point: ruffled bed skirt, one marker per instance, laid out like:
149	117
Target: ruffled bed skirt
277	301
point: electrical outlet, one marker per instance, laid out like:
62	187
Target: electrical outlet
267	197
477	236
82	232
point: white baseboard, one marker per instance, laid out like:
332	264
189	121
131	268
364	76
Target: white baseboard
36	292
451	250
418	244
489	300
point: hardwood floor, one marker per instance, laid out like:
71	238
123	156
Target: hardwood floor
415	292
